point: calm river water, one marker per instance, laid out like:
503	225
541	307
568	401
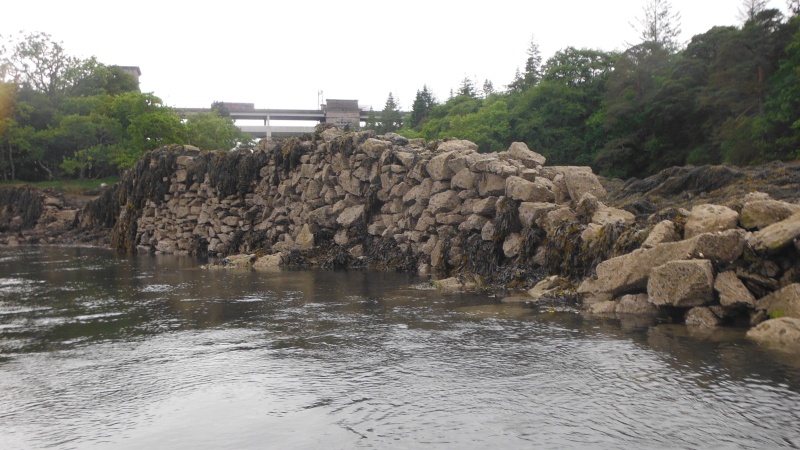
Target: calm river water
100	351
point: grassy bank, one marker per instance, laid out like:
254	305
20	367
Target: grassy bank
73	187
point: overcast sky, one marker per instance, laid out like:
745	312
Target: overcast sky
279	54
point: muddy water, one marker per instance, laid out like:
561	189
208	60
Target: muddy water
99	351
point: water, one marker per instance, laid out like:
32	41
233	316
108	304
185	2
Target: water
98	351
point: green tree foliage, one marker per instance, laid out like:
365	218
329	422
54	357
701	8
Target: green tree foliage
212	131
730	96
60	115
421	108
391	119
659	24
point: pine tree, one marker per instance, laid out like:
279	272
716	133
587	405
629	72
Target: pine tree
659	24
488	88
421	109
390	116
750	9
534	62
467	87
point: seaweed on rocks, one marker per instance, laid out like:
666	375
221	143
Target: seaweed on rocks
291	152
387	254
233	173
199	246
23	201
343	145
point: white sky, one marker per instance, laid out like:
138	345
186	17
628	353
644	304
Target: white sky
278	54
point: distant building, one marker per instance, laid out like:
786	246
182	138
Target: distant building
342	112
133	70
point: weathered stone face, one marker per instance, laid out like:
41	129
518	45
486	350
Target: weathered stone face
702	317
530	159
580	181
765	212
664	231
526	191
732	291
782	303
784	331
694	289
776	236
710	218
444	202
638	304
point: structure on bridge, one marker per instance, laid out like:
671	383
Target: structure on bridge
342	113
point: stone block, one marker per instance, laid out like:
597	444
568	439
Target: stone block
682	283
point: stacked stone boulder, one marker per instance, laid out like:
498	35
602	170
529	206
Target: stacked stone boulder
359	194
715	272
428	193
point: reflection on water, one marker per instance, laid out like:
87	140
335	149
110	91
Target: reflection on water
98	351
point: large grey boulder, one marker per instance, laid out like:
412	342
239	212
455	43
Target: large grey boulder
784	302
732	291
304	239
268	262
528	158
457	145
526	191
629	272
444	202
374	148
784	331
465	179
606	215
490	184
533	213
638	304
485	207
350	216
437	167
776	236
606	307
664	231
709	218
682	283
701	316
763	213
581	180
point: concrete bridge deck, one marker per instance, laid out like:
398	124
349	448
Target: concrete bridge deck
337	112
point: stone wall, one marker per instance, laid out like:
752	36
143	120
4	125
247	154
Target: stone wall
358	192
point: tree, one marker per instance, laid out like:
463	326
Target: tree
534	61
750	9
659	24
390	116
372	122
467	88
533	65
422	107
39	63
210	131
488	88
794	6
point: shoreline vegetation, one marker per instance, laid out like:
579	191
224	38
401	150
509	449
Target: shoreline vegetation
709	245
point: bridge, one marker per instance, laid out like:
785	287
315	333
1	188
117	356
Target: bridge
342	113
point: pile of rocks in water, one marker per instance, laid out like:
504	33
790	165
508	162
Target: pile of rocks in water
730	267
31	216
337	199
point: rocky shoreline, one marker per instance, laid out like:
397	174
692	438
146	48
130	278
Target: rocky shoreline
711	246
